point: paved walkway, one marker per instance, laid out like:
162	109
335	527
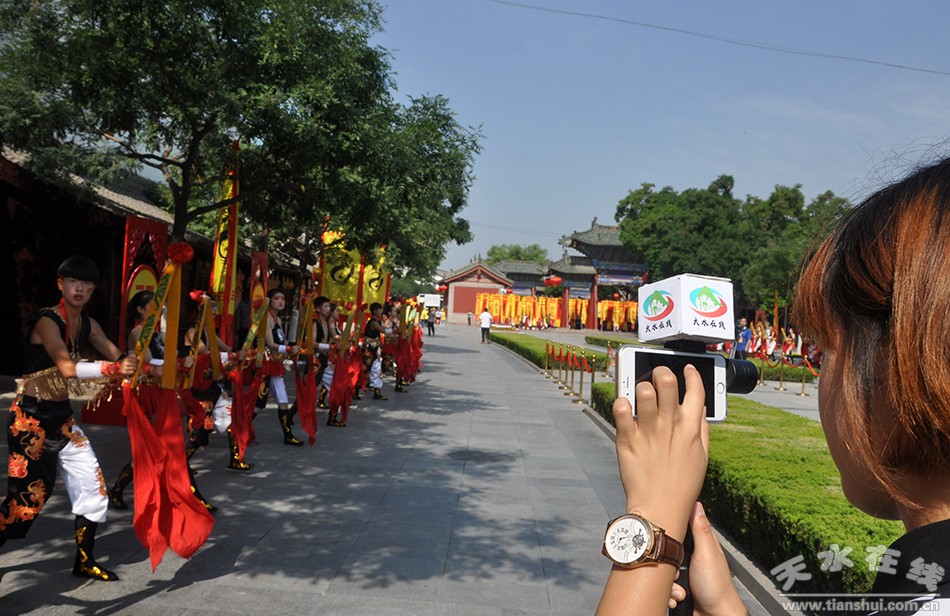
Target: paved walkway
483	491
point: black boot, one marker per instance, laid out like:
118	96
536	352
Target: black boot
115	494
198	436
236	463
399	386
86	565
262	394
322	399
289	439
197	492
377	395
356	393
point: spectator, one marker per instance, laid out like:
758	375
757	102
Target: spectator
485	321
742	338
430	321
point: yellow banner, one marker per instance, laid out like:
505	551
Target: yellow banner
375	282
340	271
223	271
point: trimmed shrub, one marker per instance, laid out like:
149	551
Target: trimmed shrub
533	349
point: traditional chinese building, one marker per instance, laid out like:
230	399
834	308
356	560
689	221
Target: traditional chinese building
465	283
526	276
576	274
612	262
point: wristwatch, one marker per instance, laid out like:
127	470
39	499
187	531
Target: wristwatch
632	541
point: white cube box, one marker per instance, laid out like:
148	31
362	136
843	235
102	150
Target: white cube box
686	307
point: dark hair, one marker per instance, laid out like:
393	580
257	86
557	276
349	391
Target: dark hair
320	300
333	307
79	267
139	300
876	294
374	307
275	291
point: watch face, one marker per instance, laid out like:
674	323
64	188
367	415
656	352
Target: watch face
628	539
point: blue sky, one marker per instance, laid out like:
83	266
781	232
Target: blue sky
576	111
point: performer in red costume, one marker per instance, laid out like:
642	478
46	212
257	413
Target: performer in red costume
43	435
276	344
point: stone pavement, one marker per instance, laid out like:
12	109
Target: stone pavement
482	491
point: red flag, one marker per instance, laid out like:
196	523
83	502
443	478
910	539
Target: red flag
307	398
242	408
167	513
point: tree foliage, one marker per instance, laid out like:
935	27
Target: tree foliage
104	88
516	252
758	243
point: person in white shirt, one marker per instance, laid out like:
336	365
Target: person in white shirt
485	320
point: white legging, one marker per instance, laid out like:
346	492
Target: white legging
327	379
376	374
280	390
82	477
222	413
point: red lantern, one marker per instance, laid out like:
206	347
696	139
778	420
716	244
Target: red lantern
443	288
552	281
616	296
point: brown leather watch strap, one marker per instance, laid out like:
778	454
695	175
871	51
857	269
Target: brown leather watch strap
668	550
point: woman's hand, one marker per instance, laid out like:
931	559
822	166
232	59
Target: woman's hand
709	579
663	453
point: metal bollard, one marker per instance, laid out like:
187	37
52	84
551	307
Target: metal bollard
580	393
781	376
570	390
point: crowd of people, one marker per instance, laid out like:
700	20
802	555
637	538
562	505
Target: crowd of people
216	388
760	340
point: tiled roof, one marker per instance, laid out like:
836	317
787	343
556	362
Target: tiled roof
463	271
597	235
519	267
568	264
128	196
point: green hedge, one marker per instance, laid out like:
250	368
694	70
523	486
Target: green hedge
533	348
773	486
601	340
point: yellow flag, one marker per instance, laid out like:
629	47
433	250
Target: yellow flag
339	271
375	282
224	270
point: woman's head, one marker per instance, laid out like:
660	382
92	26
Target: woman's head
277	299
139	305
876	296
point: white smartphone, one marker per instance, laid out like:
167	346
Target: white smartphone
635	364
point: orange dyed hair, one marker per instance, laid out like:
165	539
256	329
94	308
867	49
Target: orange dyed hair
877	294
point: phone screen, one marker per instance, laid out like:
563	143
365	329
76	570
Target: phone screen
636	364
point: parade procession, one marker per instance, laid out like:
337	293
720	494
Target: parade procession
192	365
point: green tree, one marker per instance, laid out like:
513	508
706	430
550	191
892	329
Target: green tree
782	231
101	89
697	231
516	252
758	244
407	287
